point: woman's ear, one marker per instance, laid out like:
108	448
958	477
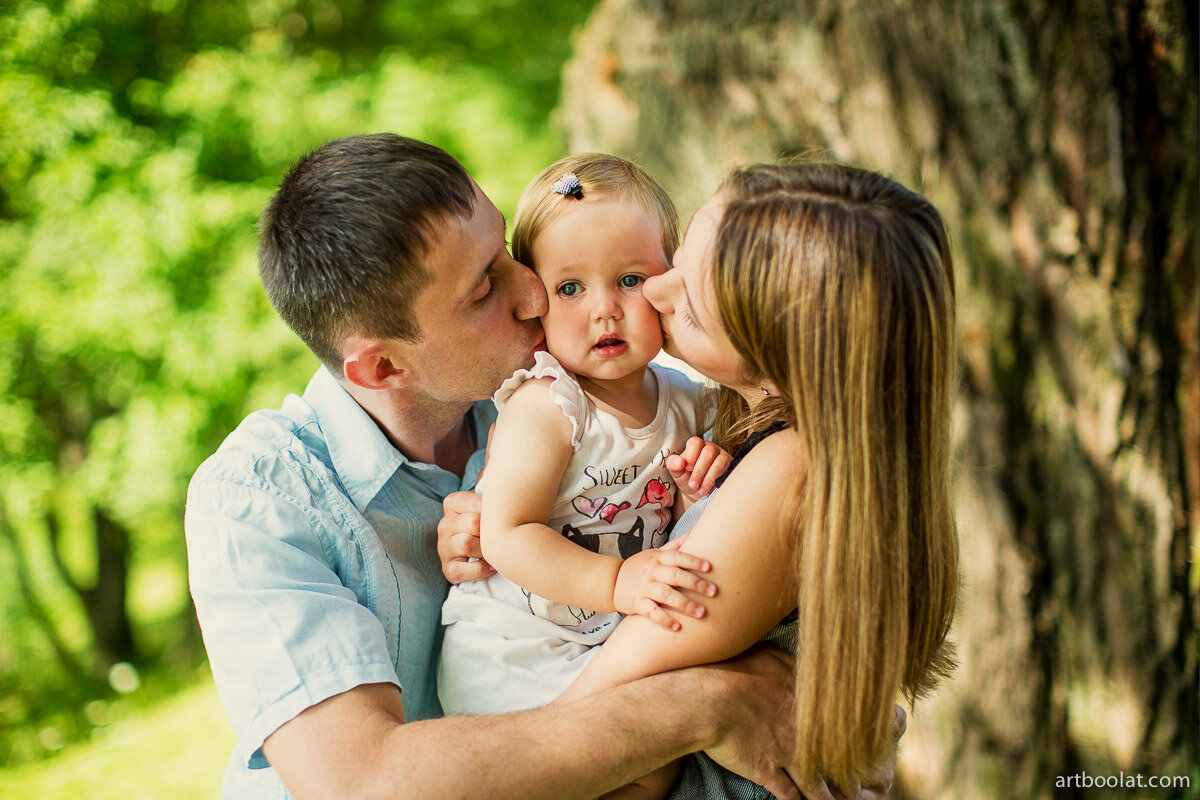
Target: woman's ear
374	364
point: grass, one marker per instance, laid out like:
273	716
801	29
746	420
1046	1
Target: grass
175	749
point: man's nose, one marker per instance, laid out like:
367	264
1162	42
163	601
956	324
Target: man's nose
529	295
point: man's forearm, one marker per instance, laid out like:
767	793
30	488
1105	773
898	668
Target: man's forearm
356	744
577	750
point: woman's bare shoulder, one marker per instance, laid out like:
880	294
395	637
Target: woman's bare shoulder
775	460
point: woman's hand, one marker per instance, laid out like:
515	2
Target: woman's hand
649	583
697	468
458	538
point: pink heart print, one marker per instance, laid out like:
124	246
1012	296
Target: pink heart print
656	492
612	510
589	507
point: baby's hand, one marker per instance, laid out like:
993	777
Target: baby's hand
697	468
649	584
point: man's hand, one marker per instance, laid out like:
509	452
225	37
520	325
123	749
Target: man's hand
697	468
753	693
458	538
876	783
648	583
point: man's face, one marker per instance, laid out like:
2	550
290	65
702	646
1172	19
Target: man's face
478	315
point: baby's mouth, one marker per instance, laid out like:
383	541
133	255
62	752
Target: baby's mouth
609	341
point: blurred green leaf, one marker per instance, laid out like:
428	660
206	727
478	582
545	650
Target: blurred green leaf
138	144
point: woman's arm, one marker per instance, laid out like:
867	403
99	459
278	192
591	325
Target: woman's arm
742	534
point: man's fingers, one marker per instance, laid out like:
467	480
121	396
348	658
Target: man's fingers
464	545
899	723
462	503
462	570
487	448
783	787
876	786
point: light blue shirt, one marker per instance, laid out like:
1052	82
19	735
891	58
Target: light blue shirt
312	557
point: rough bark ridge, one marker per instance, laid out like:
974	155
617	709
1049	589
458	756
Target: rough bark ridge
1060	142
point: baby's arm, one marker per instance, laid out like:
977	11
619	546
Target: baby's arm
529	454
740	533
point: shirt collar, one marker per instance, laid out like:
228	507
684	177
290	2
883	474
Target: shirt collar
362	455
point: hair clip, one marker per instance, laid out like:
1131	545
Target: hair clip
568	184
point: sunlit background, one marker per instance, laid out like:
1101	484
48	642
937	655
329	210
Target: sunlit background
138	144
139	140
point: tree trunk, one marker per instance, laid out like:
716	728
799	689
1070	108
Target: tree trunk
1060	142
104	600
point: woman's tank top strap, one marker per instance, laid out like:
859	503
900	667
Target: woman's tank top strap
751	442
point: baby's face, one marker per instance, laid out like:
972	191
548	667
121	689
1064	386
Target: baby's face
593	260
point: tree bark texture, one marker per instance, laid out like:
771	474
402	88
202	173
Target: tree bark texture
1059	139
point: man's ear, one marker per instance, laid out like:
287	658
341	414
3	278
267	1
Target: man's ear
375	364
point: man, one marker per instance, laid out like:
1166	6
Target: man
312	530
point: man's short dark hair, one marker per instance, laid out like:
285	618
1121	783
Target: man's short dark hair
341	242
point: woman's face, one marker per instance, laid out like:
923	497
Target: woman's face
686	302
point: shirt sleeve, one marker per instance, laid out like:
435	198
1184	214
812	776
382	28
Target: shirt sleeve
282	630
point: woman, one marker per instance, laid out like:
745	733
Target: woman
821	298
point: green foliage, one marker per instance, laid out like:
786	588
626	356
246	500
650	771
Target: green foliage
174	748
138	143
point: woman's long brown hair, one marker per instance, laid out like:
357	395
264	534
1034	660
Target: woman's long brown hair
836	284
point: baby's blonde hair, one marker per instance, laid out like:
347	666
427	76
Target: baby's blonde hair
598	174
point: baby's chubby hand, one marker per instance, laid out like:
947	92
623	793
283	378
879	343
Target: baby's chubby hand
649	583
697	468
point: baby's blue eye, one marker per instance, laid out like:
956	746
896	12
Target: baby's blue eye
630	281
569	289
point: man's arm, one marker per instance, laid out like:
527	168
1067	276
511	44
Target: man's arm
356	744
